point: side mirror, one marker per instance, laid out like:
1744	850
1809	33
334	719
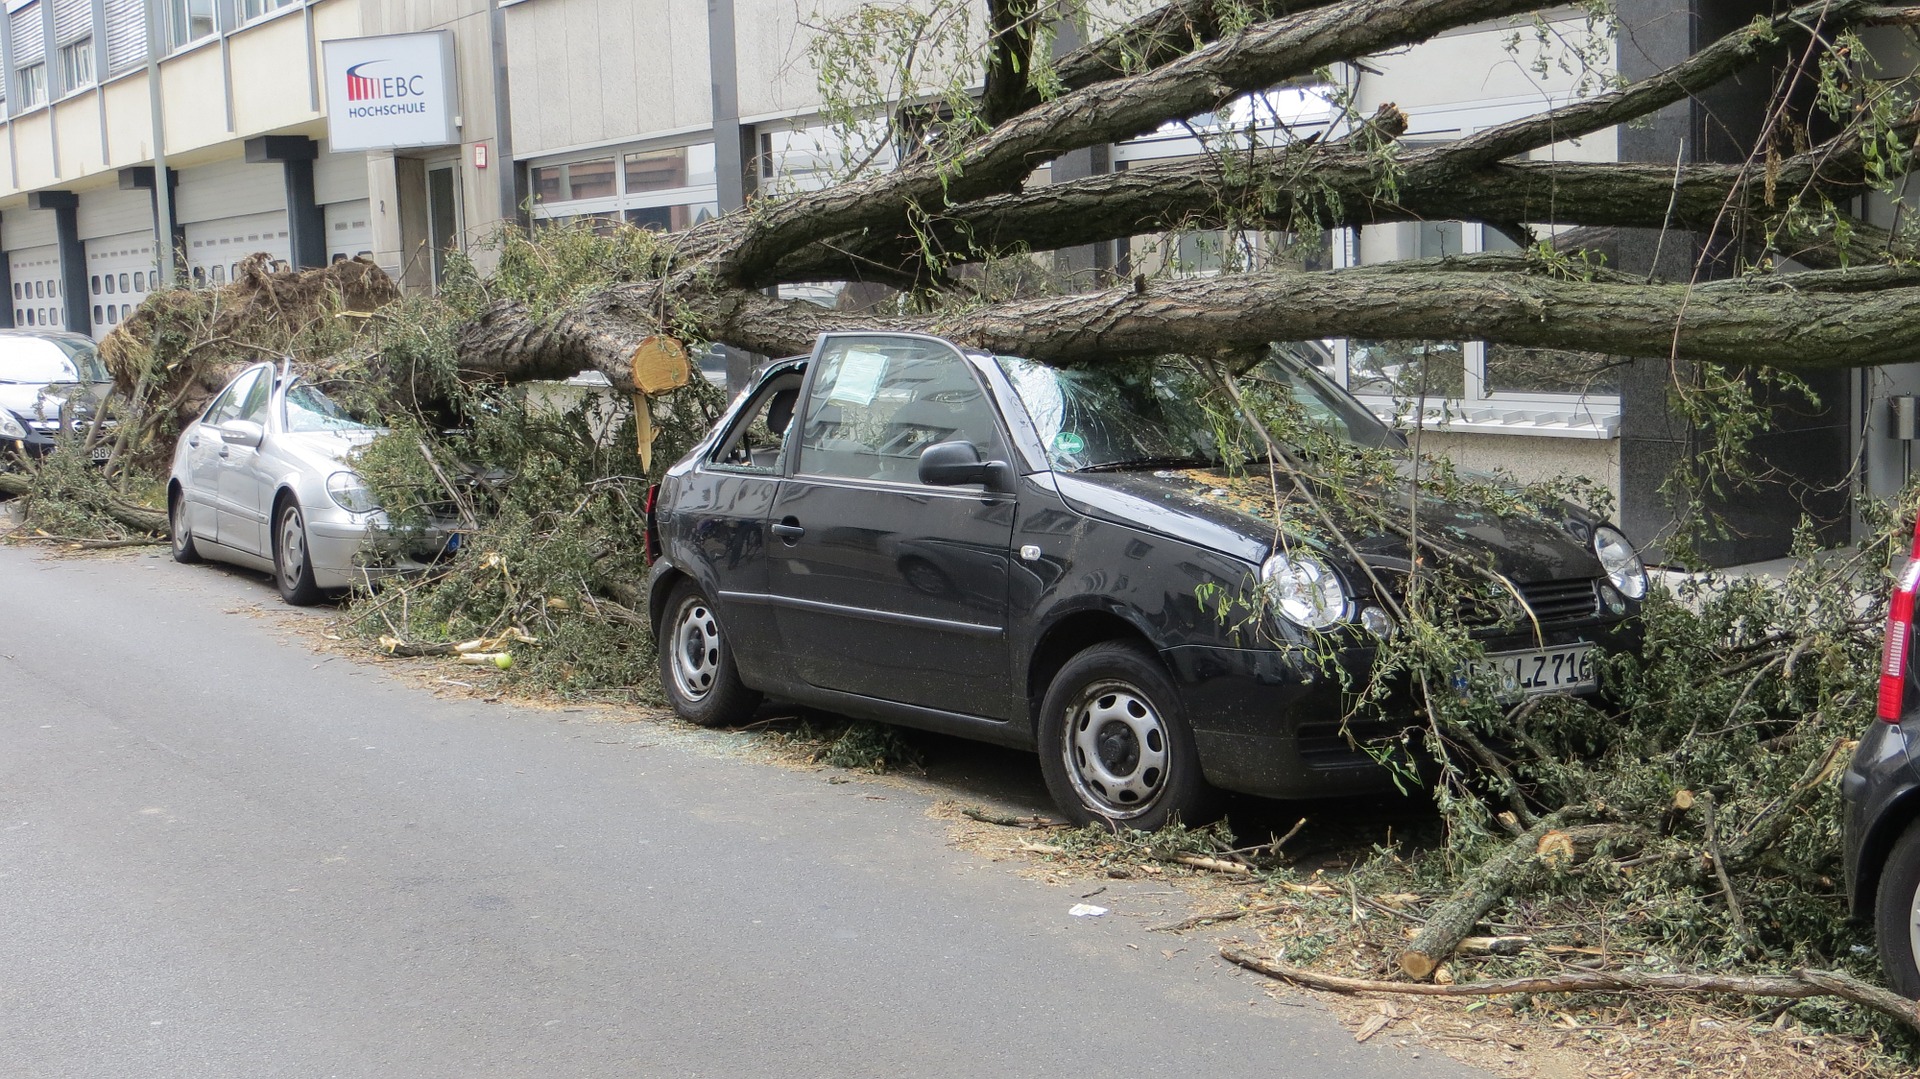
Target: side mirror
242	433
950	464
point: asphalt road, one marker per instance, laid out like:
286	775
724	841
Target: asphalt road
223	854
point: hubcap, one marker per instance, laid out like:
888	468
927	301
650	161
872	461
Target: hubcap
293	548
1116	750
696	650
1913	927
177	525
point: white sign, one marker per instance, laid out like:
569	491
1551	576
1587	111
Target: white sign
384	93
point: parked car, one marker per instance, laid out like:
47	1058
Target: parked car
262	479
1881	794
899	529
47	377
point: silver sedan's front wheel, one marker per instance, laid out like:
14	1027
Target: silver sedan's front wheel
697	670
292	568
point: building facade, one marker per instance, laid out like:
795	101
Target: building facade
215	123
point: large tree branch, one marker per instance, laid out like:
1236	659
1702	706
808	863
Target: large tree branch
1258	57
1799	321
1338	186
1161	36
1705	68
1011	27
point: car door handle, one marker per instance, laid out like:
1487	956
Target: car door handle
194	441
789	530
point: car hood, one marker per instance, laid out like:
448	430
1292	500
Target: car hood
34	400
1235	515
323	452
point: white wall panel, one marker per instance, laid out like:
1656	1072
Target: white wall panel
27	228
339	177
230	188
112	212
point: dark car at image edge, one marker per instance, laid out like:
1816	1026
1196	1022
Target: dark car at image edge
899	529
1880	793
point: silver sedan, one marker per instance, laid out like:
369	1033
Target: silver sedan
262	479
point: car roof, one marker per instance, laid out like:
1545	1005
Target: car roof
66	336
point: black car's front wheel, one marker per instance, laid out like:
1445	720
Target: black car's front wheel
292	565
1114	743
1896	914
696	663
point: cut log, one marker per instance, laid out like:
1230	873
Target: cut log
1452	921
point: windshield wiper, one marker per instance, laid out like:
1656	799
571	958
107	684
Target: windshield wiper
1131	464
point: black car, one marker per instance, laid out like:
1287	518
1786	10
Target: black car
47	378
1881	794
899	529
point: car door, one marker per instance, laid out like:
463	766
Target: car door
243	515
722	514
884	586
201	483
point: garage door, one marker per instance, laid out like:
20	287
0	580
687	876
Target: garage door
36	287
349	230
120	273
215	248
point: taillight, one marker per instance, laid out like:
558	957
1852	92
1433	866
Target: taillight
653	534
1895	649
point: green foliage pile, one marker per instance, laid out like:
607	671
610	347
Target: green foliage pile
543	483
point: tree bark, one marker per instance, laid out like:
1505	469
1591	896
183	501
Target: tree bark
1802	984
1453	921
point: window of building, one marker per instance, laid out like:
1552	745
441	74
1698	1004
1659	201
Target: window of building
76	65
1470	384
665	189
190	20
253	9
32	82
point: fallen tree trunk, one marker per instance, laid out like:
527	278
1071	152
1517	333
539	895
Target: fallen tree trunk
138	518
1800	985
1453	921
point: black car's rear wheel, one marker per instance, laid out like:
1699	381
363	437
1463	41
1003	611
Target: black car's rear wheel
1114	743
183	546
292	566
696	663
1896	914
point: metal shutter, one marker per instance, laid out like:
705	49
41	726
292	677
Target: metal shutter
126	34
29	42
72	20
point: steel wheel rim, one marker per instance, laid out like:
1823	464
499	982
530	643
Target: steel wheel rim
293	548
1913	926
1117	750
695	650
176	526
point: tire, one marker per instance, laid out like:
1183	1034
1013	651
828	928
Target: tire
184	550
1896	914
697	670
1115	746
292	568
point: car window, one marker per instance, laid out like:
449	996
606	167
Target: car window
307	409
33	361
254	406
227	406
760	432
878	402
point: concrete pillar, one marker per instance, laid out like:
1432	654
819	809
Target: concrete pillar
73	254
140	178
306	224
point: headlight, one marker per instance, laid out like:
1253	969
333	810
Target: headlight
10	425
1304	590
350	493
1621	562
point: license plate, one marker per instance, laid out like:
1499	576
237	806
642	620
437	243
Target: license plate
1565	669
